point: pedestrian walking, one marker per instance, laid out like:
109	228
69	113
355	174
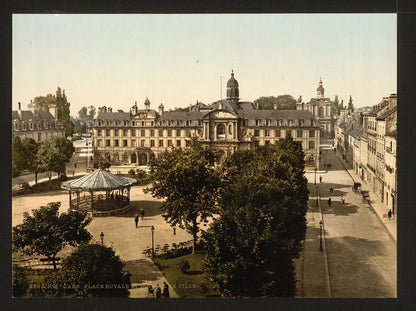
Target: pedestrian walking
165	290
142	213
331	190
320	178
158	291
136	219
342	200
389	213
329	202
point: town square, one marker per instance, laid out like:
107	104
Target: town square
156	166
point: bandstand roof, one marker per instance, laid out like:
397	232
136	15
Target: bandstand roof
99	180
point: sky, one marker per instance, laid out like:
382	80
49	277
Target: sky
114	60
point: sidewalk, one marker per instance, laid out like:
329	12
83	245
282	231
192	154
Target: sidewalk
315	276
380	209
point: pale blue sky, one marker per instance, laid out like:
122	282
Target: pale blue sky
114	60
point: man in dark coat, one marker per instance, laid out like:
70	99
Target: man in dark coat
165	290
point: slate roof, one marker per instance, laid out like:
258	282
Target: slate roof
26	115
356	132
99	180
182	115
387	113
122	116
276	114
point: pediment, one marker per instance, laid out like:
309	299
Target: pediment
221	114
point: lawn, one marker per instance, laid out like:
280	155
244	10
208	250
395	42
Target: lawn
194	283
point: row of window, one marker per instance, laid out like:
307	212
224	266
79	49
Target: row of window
258	122
124	143
220	131
142	133
279	122
299	133
311	144
32	126
149	123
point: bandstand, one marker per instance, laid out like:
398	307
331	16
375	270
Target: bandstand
99	193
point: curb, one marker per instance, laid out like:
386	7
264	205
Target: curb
371	206
328	281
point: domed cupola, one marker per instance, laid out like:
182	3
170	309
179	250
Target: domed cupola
232	89
147	103
320	90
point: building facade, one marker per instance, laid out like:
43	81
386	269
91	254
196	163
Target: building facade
228	125
374	150
37	124
323	109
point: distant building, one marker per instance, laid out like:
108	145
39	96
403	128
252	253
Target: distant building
227	125
37	124
322	108
374	149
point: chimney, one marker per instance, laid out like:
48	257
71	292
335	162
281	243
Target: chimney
53	109
109	109
393	100
190	107
275	106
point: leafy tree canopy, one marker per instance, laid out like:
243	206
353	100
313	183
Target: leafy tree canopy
54	153
283	102
252	245
46	233
90	271
187	181
60	100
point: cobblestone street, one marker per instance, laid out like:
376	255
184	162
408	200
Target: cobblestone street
361	253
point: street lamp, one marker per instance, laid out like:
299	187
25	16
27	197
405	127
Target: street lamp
102	238
153	245
321	223
315	176
317	196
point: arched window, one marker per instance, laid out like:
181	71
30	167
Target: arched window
321	112
221	129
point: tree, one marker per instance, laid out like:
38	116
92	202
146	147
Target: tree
19	281
60	100
350	105
63	111
252	245
82	114
187	181
43	102
92	270
18	159
91	112
54	153
284	102
24	156
337	105
46	233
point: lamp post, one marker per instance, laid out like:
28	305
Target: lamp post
321	223
317	196
153	245
102	238
315	176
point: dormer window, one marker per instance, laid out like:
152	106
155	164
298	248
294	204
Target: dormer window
267	122
301	122
279	122
258	122
126	123
289	122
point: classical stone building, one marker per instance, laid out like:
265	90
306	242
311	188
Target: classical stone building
37	124
322	108
227	125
